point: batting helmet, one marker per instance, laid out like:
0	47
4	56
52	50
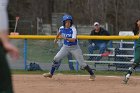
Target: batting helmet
67	17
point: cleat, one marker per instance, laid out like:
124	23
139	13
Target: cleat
92	78
126	78
47	75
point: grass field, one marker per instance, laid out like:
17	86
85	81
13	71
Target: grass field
80	72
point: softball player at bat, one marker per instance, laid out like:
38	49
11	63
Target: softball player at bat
5	47
136	53
69	34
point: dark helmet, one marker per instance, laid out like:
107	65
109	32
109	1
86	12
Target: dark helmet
67	17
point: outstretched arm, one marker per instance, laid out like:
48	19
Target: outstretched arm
12	50
70	39
57	36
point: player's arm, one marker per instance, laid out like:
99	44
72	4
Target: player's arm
57	36
12	50
71	39
4	37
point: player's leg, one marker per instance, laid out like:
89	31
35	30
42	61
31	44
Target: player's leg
129	72
60	44
77	53
69	56
56	61
134	65
5	76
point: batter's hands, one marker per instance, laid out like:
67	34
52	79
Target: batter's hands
55	41
139	34
63	37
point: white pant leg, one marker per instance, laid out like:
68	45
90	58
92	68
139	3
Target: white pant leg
77	53
3	15
61	54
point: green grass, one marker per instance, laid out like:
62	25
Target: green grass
80	72
26	72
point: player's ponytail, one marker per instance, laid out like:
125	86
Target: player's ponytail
136	28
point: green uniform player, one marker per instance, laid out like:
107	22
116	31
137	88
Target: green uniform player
5	47
136	54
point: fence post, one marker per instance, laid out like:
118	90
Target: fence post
25	54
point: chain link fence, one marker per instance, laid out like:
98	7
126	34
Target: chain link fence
24	27
43	51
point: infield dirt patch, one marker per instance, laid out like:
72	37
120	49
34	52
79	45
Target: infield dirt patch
74	84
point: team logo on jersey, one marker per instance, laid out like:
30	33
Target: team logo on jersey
68	35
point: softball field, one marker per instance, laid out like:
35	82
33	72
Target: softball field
74	84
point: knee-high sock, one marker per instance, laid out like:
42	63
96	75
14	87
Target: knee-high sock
54	67
89	70
52	70
131	69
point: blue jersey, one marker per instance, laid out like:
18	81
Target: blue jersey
69	33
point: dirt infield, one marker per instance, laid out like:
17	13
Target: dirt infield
74	84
